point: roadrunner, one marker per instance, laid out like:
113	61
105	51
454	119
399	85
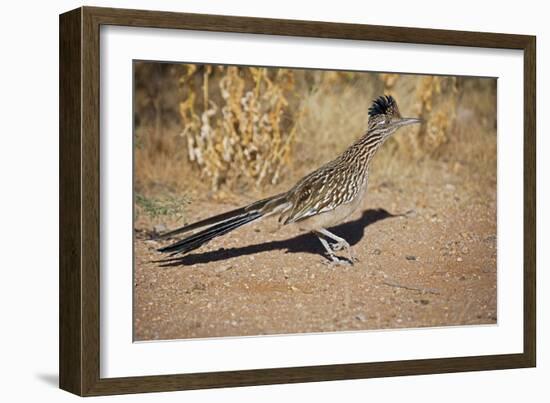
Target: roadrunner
320	200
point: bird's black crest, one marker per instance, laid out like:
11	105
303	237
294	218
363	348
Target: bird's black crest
382	105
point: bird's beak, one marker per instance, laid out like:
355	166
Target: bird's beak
408	121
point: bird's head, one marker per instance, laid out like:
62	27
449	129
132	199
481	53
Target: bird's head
385	118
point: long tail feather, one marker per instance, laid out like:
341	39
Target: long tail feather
220	217
197	240
204	223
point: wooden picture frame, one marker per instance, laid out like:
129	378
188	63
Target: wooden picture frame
79	349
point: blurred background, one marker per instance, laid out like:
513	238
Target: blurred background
219	131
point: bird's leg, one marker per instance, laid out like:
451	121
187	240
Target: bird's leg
340	244
328	248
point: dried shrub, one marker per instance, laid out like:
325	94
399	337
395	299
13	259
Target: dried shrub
438	97
237	122
432	98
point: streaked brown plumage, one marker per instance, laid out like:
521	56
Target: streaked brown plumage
324	198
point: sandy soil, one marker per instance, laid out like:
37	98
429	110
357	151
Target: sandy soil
427	257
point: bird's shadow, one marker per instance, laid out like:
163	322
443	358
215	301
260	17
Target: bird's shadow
351	231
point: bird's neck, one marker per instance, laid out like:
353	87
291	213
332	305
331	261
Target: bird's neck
369	144
359	155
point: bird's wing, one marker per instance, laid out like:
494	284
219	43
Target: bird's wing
319	192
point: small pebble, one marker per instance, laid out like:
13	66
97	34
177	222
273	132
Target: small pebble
222	269
360	317
159	228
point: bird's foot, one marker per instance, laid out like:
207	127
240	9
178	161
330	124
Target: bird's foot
339	261
344	245
332	260
339	246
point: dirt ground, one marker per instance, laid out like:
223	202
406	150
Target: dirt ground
427	257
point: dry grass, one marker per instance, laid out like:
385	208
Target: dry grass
224	129
242	128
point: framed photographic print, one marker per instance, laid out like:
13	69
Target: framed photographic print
249	201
